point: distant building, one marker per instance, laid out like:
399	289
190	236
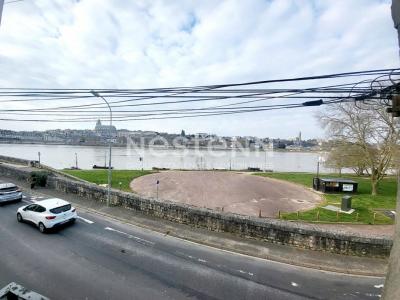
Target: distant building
104	130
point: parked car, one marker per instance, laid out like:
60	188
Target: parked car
9	192
46	214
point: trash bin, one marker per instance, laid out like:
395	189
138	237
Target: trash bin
346	203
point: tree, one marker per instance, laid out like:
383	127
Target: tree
346	155
367	132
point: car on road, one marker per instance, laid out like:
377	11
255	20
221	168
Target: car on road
47	214
9	192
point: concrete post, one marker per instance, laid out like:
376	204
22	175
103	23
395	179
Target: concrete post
392	287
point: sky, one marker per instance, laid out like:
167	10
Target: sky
147	44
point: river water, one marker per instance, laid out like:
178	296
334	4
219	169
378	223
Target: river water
63	156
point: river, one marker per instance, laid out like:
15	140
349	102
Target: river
63	156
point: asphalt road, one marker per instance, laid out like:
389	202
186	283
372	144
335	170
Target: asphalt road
98	258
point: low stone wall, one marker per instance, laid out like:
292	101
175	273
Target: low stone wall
300	235
18	173
25	162
14	160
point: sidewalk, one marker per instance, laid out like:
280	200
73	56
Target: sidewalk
225	241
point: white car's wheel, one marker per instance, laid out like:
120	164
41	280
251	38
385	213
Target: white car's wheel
19	217
42	228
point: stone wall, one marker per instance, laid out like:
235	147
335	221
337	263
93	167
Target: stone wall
25	162
14	160
13	172
300	235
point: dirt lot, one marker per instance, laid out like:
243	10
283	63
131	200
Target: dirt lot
235	192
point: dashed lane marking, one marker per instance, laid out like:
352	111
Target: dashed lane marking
85	220
138	239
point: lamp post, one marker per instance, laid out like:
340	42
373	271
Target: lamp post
94	93
320	160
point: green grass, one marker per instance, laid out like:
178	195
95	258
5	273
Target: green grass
120	178
363	202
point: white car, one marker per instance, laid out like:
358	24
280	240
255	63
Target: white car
47	214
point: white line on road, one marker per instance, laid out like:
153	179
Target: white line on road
130	236
378	286
28	201
85	220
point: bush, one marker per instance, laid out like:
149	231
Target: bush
39	178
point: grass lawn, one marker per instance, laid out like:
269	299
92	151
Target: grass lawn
120	178
363	202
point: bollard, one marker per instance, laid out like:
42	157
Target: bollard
298	215
222	208
337	216
317	215
357	217
259	214
373	221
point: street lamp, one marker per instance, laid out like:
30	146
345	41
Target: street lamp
94	93
320	160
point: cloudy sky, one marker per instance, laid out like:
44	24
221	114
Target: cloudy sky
138	44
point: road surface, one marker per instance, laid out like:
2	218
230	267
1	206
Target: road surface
98	258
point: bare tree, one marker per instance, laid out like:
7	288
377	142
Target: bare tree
345	155
367	132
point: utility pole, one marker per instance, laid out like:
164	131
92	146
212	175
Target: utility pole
94	93
392	287
141	160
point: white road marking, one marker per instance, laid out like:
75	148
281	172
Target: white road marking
244	272
130	236
373	295
378	286
85	220
202	260
294	284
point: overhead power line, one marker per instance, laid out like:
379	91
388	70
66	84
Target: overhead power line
177	102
